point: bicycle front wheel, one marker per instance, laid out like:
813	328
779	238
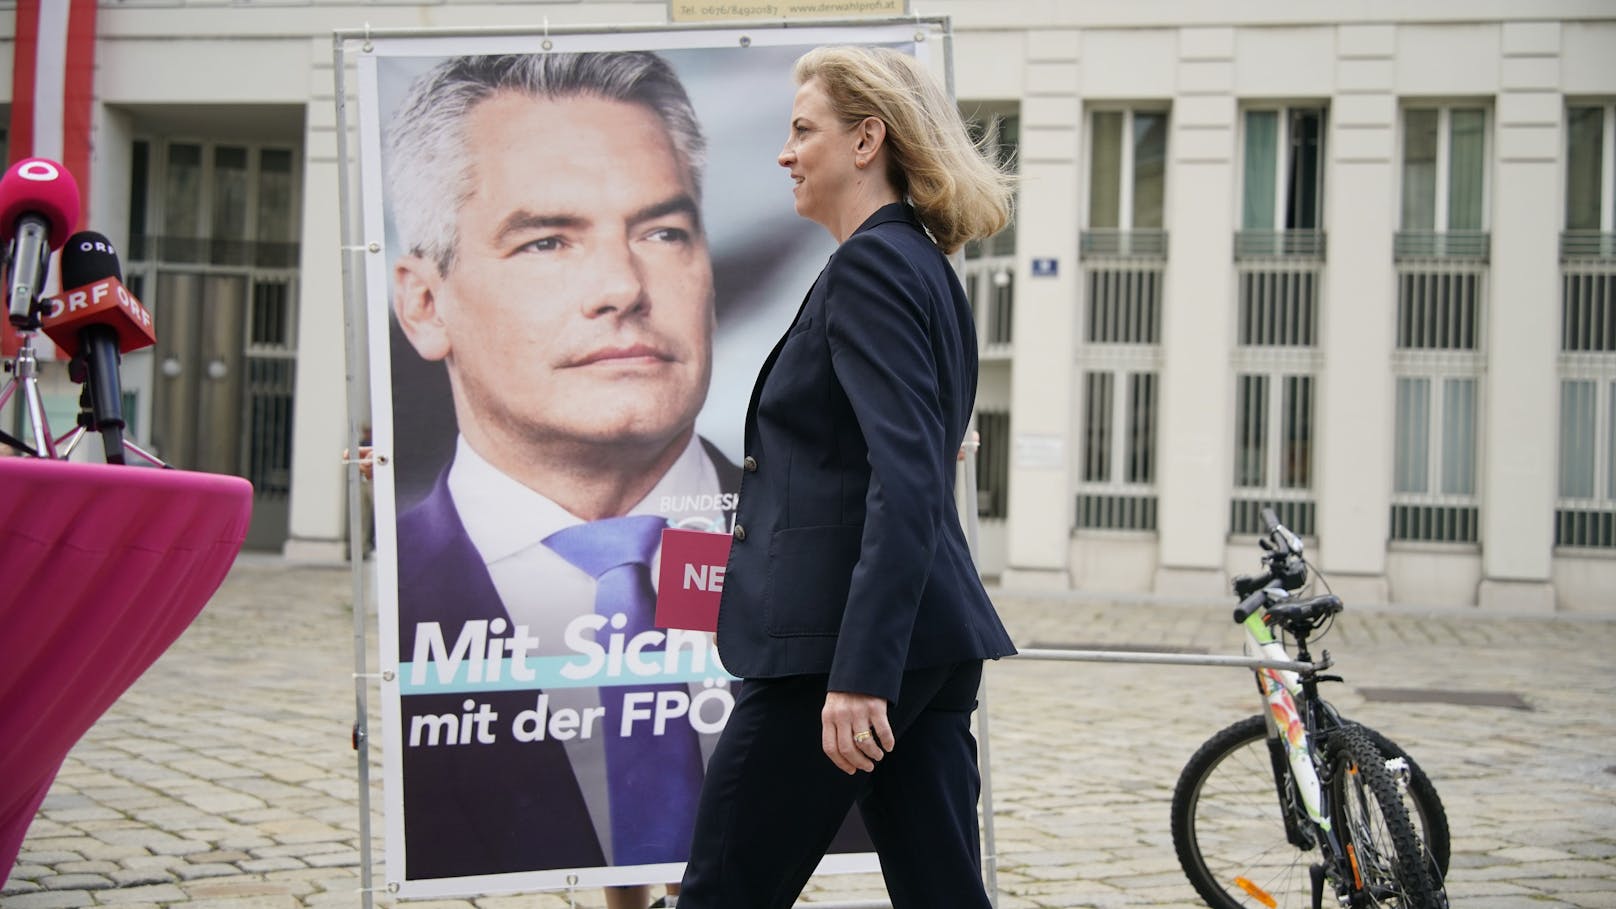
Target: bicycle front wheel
1232	832
1386	860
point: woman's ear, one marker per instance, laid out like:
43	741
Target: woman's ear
872	135
416	285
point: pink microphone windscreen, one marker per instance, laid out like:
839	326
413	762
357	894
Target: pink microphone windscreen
43	187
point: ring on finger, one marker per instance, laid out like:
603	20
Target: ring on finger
861	736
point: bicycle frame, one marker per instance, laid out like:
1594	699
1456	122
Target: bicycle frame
1280	689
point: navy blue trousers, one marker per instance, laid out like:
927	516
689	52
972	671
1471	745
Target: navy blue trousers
772	801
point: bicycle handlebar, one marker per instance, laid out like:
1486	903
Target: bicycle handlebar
1283	567
1251	604
1285	542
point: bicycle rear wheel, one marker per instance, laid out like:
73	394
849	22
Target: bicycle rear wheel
1388	862
1230	827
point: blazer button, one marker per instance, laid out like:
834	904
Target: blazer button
740	533
750	464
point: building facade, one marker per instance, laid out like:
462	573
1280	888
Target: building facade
1359	266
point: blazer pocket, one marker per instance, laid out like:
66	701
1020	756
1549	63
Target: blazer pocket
810	573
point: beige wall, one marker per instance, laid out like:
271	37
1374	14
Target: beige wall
1204	59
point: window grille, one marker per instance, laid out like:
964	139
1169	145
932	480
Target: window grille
1278	304
1273	458
1435	461
1116	512
1245	516
1439	305
1117	474
1124	303
993	464
1436	523
1588	308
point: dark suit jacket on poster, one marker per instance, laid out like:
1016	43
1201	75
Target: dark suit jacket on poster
849	558
482	809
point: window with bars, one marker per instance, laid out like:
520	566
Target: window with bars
1279	257
1125	302
993	464
1441	254
1116	489
1585	504
1124	252
1434	464
1273	454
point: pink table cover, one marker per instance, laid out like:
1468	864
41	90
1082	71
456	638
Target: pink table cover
101	568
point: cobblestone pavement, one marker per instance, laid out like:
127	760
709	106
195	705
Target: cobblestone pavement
224	779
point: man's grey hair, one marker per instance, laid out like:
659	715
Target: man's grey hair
429	166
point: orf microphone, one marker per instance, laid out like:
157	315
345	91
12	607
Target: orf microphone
39	205
94	321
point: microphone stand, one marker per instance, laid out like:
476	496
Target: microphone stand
24	369
90	421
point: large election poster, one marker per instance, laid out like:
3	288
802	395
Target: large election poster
586	248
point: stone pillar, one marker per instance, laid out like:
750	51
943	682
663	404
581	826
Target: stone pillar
1522	411
318	509
1195	436
1041	505
1354	453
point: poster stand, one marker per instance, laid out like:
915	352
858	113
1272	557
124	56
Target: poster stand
354	252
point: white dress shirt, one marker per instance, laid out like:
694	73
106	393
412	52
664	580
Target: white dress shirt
507	523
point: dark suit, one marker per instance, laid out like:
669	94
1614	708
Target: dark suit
482	809
850	572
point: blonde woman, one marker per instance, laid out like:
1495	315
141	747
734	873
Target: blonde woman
851	606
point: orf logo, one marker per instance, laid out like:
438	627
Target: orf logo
40	171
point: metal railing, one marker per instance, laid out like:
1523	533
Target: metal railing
1452	244
1108	241
1279	244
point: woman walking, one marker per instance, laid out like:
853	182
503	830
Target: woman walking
851	606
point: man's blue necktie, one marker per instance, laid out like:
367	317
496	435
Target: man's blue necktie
653	780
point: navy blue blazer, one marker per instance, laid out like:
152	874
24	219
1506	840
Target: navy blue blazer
849	558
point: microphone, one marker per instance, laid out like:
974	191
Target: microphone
95	322
39	205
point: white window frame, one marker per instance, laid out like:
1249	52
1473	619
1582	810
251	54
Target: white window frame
1282	160
1126	190
157	195
1607	164
1444	141
1121	362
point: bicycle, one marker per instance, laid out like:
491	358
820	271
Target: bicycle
1342	793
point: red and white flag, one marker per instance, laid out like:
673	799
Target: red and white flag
52	96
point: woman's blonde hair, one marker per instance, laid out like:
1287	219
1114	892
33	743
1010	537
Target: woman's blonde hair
957	188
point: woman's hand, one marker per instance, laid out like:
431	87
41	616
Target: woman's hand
853	730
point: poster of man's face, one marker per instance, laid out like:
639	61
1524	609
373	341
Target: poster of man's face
586	254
